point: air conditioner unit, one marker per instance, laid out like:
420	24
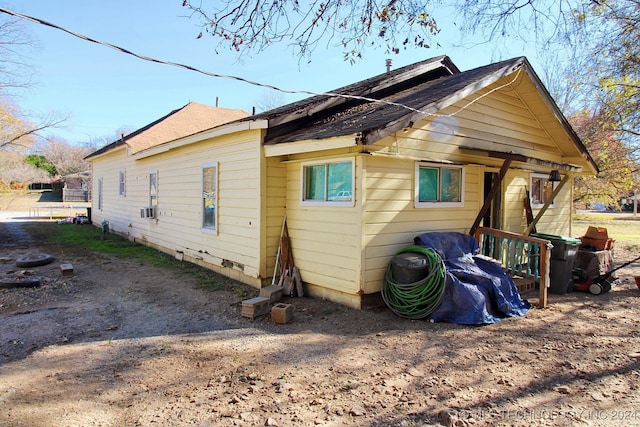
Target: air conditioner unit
148	212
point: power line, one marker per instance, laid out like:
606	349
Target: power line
242	79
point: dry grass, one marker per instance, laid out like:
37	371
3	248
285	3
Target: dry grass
22	201
623	227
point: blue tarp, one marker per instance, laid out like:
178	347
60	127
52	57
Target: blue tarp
477	289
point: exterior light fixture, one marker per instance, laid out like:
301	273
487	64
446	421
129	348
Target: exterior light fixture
554	176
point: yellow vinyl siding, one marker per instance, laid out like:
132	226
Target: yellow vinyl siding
112	203
325	239
498	122
238	229
514	186
556	219
390	219
274	200
177	227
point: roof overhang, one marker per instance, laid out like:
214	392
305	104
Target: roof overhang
113	149
539	163
435	107
310	145
313	105
514	70
561	119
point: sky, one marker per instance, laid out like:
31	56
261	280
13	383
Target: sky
104	91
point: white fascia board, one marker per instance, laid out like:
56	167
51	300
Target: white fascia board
310	145
107	153
198	137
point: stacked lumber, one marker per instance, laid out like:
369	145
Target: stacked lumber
290	279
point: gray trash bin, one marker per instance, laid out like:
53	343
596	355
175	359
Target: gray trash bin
563	256
409	267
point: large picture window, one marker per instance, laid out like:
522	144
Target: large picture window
328	183
438	185
210	196
541	189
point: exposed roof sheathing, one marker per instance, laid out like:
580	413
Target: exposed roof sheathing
372	87
370	110
403	97
428	94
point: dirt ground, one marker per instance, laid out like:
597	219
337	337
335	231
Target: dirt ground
120	343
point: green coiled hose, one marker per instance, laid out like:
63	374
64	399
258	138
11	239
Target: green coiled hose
419	299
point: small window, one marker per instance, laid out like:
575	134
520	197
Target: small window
328	183
541	189
121	182
100	193
153	188
209	197
439	186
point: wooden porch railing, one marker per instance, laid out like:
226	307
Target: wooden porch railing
522	257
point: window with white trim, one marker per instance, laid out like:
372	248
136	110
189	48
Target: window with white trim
439	185
328	183
210	197
541	189
100	193
153	188
122	177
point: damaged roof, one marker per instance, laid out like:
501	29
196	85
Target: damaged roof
396	100
369	110
372	87
427	87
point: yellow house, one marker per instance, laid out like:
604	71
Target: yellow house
357	173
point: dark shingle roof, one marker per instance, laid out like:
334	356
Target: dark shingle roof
430	68
427	92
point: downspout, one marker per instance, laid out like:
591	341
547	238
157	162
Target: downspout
546	205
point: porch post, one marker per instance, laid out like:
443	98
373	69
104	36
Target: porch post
545	277
546	205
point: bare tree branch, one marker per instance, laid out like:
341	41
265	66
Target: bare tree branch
253	25
17	132
15	42
66	158
13	140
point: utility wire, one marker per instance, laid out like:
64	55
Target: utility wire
242	79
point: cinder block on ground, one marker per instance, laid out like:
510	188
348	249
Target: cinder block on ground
66	269
255	307
273	292
282	313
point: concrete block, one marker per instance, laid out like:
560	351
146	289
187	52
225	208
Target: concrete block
273	292
255	307
282	313
66	269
